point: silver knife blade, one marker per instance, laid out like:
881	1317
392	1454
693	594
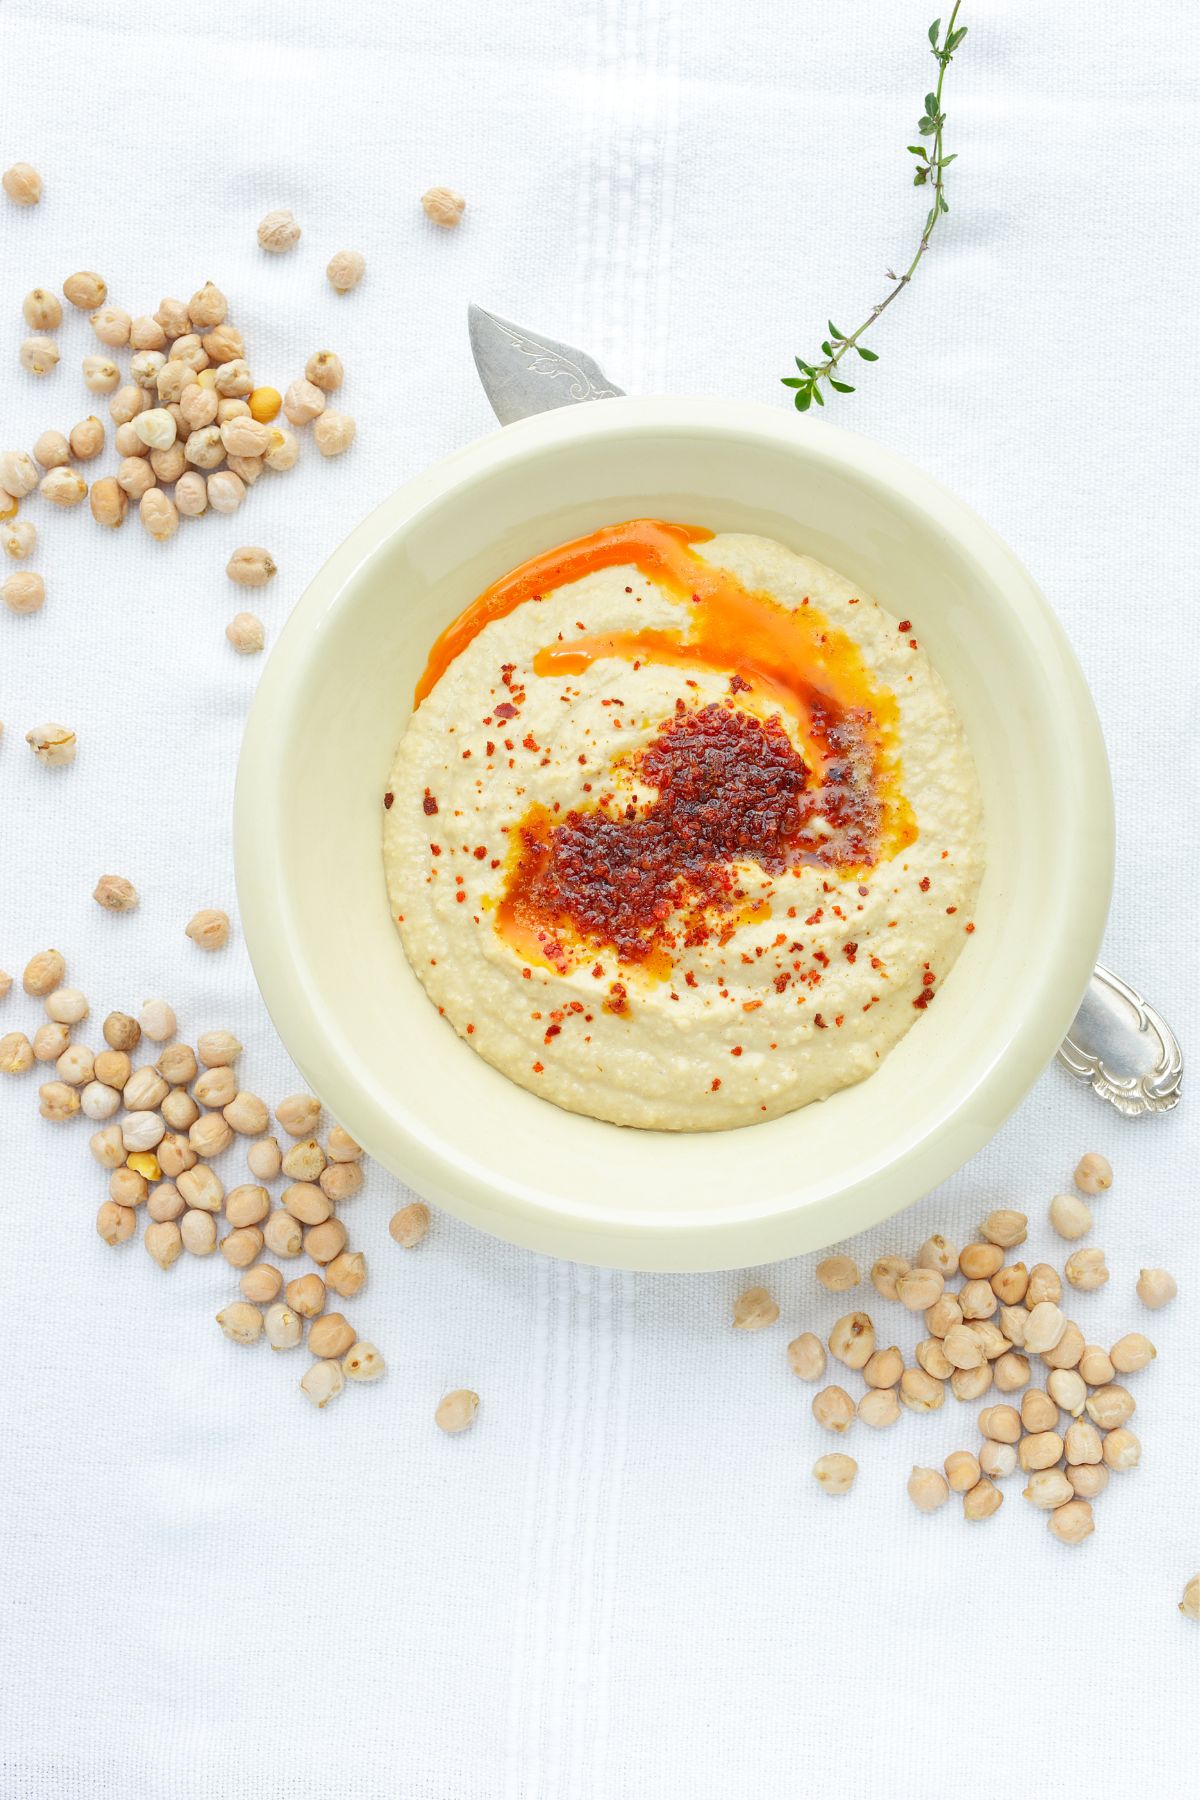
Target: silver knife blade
523	372
1118	1043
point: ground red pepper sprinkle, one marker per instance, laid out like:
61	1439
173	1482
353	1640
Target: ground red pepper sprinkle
736	1051
730	788
538	1068
904	625
429	804
819	1022
506	710
387	799
924	884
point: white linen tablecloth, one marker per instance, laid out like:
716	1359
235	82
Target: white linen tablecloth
623	1582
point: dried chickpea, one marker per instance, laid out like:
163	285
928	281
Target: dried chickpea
1068	1350
345	270
284	450
302	402
1070	1216
1005	1228
111	325
971	1384
208	929
331	1335
979	1262
852	1340
241	1321
921	1392
306	1202
341	1181
1067	1389
116	1224
39	355
42	310
265	403
19	538
261	1283
752	1310
443	206
323	1382
284	1235
933	1359
962	1471
333	433
1155	1287
24	592
86	290
928	1489
1110	1406
981	1501
51	450
836	1274
883	1368
251	566
1010	1372
347	1273
1093	1174
920	1289
199	1233
1010	1283
158	514
54	745
16	1054
1095	1366
218	1049
109	502
242	1246
324	370
226	491
833	1409
1071	1523
977	1299
1086	1270
63	487
135	477
997	1460
145	333
306	1296
299	1114
223	345
1131	1353
248	1204
943	1315
805	1354
22	184
1040	1450
879	1407
278	231
938	1253
164	1242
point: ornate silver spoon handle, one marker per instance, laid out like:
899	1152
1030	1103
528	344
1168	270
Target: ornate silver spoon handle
1123	1048
1117	1043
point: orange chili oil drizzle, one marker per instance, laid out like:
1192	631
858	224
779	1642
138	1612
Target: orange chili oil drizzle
641	880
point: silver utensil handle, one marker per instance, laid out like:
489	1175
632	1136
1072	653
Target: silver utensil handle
1123	1048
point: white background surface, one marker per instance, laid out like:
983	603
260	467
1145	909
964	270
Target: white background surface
623	1582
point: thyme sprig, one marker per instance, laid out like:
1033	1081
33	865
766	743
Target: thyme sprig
932	164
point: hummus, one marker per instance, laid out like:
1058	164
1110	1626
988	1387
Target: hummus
684	831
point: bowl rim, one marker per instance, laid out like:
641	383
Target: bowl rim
487	1199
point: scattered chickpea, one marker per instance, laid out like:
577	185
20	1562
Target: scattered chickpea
852	1340
1000	1423
1071	1523
54	745
921	1392
242	1246
22	184
164	1242
1189	1606
144	368
223	345
42	310
997	1461
1010	1372
364	1363
1047	1489
1086	1270
284	450
302	402
19	538
443	206
261	1283
284	1235
1070	1216
323	1382
1044	1284
943	1315
346	1274
805	1354
278	231
1005	1228
180	1110
341	1147
455	1411
752	1310
834	1474
24	592
107	1148
977	1299
883	1368
938	1253
1082	1442
1010	1284
299	1114
216	1049
209	929
39	355
1068	1390
248	1204
919	1289
981	1501
115	894
199	1232
226	491
1155	1287
283	1327
341	1181
1093	1173
933	1359
333	433
344	271
158	514
324	370
879	1407
1131	1353
833	1409
1044	1327
109	502
305	1201
116	1224
241	1321
1095	1365
16	1054
962	1471
100	375
306	1296
928	1489
166	1202
1111	1406
145	333
979	1262
134	477
836	1274
1040	1450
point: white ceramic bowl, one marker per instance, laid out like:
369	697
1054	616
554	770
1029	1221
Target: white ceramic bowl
333	702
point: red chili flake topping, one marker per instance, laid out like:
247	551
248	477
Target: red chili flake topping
781	982
819	1022
460	896
470	1030
738	685
538	1068
618	999
968	928
951	909
436	849
923	998
736	1051
387	800
506	710
552	1031
815	917
850	950
730	788
429	804
864	891
716	1082
480	851
840	1019
928	978
904	625
923	884
489	748
529	742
